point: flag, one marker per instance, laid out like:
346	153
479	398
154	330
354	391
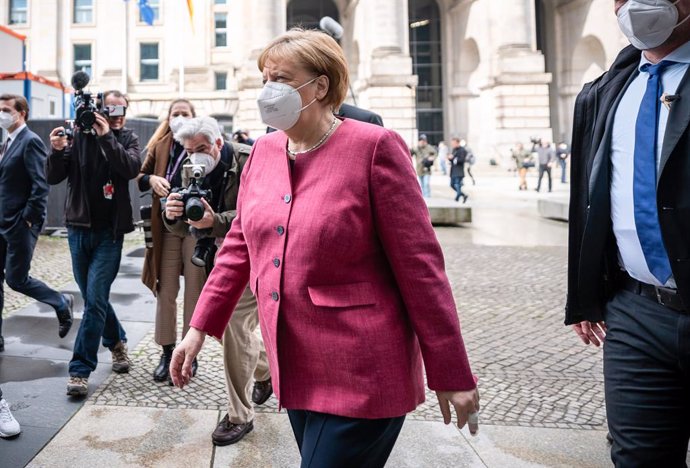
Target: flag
146	11
190	7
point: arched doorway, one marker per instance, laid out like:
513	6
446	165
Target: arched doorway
308	13
427	64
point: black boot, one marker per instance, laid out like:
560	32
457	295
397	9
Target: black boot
162	371
195	366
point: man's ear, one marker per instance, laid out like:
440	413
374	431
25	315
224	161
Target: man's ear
219	143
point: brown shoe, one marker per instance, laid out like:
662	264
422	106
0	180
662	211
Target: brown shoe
121	360
262	392
228	433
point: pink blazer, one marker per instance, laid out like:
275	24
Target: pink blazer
348	275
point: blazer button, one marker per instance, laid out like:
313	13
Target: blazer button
281	230
276	262
274	296
287	198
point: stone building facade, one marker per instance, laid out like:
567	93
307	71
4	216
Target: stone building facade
493	71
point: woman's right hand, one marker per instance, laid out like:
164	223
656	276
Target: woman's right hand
183	356
160	185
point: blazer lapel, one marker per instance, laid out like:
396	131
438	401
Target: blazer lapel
13	148
678	119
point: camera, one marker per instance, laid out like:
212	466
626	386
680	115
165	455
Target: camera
86	105
68	132
204	253
145	212
192	195
535	140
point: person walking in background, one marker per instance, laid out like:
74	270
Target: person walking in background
562	154
523	162
98	164
457	158
470	159
170	255
628	268
323	363
547	158
23	197
424	155
443	152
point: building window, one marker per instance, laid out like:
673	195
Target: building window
221	2
149	61
155	6
83	11
221	29
221	81
18	11
82	58
52	107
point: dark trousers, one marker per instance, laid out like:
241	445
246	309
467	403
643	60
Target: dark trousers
95	261
544	168
647	381
456	183
16	251
563	165
329	441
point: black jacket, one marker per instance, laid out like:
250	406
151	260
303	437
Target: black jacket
120	152
23	187
457	162
593	271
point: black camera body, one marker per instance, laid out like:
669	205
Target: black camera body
535	140
85	109
192	195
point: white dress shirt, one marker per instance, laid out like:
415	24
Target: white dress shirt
630	252
13	135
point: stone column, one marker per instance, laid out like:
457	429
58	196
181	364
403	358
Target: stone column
519	80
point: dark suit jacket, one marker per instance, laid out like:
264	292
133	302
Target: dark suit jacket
23	186
357	113
592	258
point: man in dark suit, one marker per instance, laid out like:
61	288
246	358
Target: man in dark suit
357	113
24	190
629	240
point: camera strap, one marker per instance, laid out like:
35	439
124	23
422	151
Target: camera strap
226	175
172	170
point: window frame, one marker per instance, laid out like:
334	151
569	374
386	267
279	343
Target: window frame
9	13
157	61
216	30
91	60
158	9
82	23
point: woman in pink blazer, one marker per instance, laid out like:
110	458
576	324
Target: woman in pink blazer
335	241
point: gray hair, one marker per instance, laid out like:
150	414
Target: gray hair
207	126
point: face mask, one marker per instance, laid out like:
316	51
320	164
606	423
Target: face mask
648	23
7	120
176	123
280	104
204	159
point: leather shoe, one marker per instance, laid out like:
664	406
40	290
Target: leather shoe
228	433
262	392
2	344
65	316
162	372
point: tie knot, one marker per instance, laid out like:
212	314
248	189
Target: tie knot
657	69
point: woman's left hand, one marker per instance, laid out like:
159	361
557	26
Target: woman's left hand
466	405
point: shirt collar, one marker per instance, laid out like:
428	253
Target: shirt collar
680	55
14	134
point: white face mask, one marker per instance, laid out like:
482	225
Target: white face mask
176	123
280	104
204	159
7	120
648	23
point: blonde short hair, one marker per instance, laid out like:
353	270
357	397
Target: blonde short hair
317	52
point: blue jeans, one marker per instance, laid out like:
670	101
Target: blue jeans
456	183
95	262
424	183
562	164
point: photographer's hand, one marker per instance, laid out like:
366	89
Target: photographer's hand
101	125
160	185
58	143
174	206
207	220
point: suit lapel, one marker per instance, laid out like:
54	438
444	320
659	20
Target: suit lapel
678	119
13	148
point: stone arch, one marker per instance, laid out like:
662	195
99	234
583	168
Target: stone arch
588	60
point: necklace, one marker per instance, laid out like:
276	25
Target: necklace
318	143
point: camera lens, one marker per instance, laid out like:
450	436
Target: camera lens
194	209
145	212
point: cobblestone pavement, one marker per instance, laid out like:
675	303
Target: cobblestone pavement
532	371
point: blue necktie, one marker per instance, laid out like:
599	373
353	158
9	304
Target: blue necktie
644	181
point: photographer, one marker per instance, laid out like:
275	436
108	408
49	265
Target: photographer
98	163
242	350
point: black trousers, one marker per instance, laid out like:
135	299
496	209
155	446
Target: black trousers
544	168
16	251
647	381
329	441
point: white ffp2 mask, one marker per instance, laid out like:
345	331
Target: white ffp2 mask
280	104
648	23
